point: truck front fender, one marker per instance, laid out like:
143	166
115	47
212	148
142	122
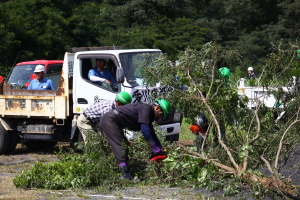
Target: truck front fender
5	124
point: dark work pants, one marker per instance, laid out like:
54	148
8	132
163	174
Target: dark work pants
112	128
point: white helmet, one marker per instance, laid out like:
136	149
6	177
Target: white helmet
250	69
39	68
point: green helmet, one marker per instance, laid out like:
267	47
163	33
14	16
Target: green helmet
165	106
225	72
298	53
124	97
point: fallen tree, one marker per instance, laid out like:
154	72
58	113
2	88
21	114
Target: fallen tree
253	140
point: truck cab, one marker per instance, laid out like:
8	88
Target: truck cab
21	75
126	67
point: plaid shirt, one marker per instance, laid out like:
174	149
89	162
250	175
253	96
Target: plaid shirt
97	110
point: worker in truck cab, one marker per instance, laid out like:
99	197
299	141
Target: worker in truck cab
40	82
137	117
89	119
100	74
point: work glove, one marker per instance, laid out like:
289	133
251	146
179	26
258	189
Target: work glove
159	156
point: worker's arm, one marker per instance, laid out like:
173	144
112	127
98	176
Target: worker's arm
150	136
93	75
96	78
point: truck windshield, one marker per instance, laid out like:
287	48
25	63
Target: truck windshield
21	75
134	63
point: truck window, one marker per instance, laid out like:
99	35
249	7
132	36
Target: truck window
53	72
20	75
134	63
54	68
89	68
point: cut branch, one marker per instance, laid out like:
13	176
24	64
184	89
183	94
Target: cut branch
217	164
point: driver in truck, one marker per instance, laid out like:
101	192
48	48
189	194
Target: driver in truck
100	74
40	82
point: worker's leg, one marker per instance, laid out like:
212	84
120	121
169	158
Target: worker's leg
85	126
114	133
110	125
99	129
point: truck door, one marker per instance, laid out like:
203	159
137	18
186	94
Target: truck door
85	91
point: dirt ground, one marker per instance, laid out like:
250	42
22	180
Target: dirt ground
22	158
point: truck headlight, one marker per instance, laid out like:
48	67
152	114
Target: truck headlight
177	116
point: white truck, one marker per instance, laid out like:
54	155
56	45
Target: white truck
260	95
264	95
41	118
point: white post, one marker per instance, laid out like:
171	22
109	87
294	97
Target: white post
242	82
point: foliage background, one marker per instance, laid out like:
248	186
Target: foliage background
45	29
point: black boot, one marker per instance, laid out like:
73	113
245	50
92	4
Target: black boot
125	173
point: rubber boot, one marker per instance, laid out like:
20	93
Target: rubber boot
126	174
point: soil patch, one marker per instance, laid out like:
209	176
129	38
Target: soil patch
290	167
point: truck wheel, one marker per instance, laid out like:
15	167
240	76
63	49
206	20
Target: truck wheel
4	140
14	138
39	145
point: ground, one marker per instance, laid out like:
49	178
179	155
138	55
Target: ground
289	168
22	158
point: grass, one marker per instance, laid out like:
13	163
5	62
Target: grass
25	159
186	137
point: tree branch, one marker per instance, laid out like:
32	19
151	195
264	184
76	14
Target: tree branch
217	164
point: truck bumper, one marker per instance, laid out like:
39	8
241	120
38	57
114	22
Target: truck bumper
171	129
37	129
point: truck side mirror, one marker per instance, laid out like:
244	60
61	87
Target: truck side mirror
120	75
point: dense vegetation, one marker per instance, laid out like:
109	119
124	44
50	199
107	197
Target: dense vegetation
45	29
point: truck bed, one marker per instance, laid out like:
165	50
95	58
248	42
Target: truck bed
32	103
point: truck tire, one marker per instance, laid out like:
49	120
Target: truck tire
39	145
14	138
4	140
